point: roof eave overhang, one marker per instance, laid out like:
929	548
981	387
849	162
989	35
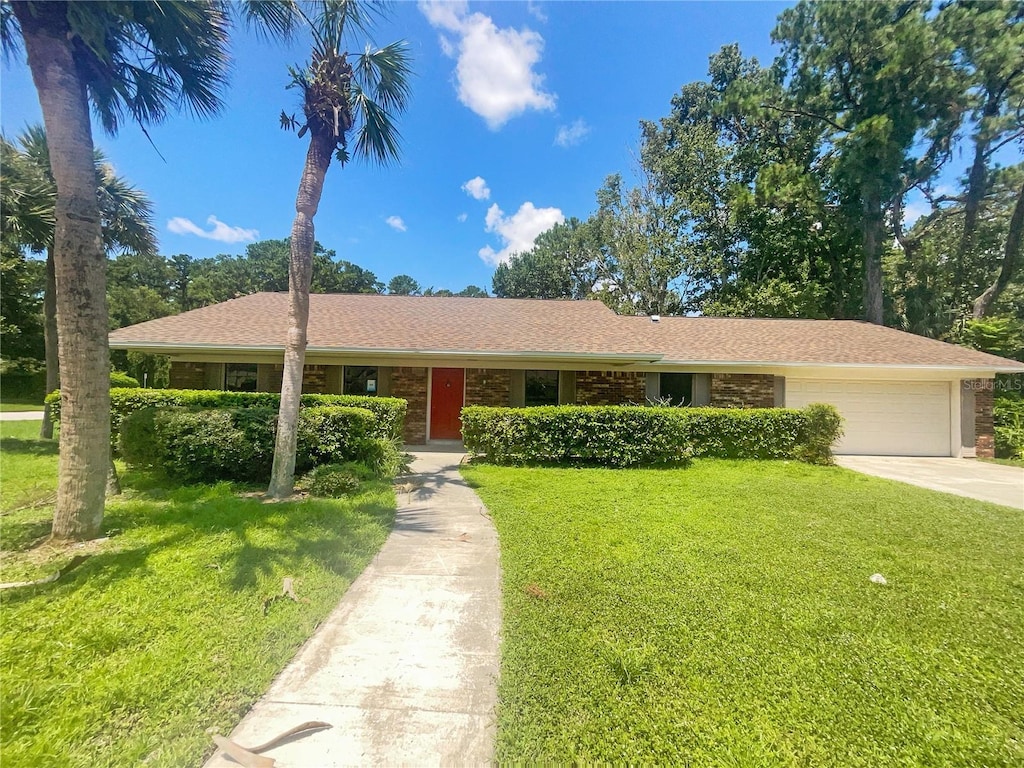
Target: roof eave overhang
612	358
755	365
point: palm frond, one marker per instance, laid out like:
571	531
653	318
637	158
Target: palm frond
271	18
377	138
126	212
10	33
385	73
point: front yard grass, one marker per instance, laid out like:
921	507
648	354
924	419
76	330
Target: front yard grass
724	615
164	631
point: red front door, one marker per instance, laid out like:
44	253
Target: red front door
446	387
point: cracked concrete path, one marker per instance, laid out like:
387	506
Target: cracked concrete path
406	667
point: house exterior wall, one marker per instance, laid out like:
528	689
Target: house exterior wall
188	375
488	386
410	384
984	430
742	390
610	387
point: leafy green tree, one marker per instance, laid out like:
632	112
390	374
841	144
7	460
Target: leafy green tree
337	97
879	78
473	292
561	265
403	285
127	60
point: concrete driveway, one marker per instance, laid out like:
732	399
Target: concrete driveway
964	477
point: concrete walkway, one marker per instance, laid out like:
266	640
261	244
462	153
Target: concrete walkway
21	416
406	666
974	479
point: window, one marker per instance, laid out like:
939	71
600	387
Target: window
541	388
240	377
678	387
361	380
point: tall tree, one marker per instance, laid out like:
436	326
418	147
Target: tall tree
126	223
403	285
337	97
561	265
131	61
879	78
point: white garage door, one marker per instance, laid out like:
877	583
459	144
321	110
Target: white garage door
894	418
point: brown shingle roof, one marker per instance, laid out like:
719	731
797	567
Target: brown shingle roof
397	323
827	342
517	326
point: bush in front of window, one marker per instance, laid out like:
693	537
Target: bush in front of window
389	411
626	436
238	443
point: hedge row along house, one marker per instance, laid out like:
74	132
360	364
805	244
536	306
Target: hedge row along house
900	394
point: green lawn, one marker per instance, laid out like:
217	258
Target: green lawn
722	615
1007	462
18	405
163	632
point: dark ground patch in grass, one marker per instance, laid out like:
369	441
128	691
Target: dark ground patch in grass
723	615
161	633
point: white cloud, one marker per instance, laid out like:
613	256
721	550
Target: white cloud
395	222
477	188
572	134
462	218
517	231
536	11
494	71
914	211
220	231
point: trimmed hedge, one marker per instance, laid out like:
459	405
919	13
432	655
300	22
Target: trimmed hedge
389	411
119	379
238	443
624	436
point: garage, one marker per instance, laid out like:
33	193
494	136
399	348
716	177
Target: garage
886	418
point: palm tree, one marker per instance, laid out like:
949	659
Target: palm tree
127	223
338	96
129	60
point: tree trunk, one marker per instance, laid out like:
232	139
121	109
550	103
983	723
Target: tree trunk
1011	254
300	270
50	342
79	271
873	233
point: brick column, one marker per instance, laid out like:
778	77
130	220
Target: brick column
610	387
488	386
984	431
742	390
410	384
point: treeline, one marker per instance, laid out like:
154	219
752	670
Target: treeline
824	184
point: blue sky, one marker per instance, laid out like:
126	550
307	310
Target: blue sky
519	111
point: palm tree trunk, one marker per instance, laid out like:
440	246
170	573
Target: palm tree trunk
79	271
50	342
300	270
1011	253
873	228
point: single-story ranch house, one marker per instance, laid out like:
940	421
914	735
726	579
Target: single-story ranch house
900	394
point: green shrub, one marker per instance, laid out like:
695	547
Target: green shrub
615	436
327	435
389	411
331	480
385	458
624	436
238	443
1008	419
120	379
822	427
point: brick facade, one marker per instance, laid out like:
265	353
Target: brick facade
610	387
742	390
410	384
488	386
314	379
984	431
188	375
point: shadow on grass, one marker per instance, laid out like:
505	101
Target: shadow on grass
29	447
247	538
